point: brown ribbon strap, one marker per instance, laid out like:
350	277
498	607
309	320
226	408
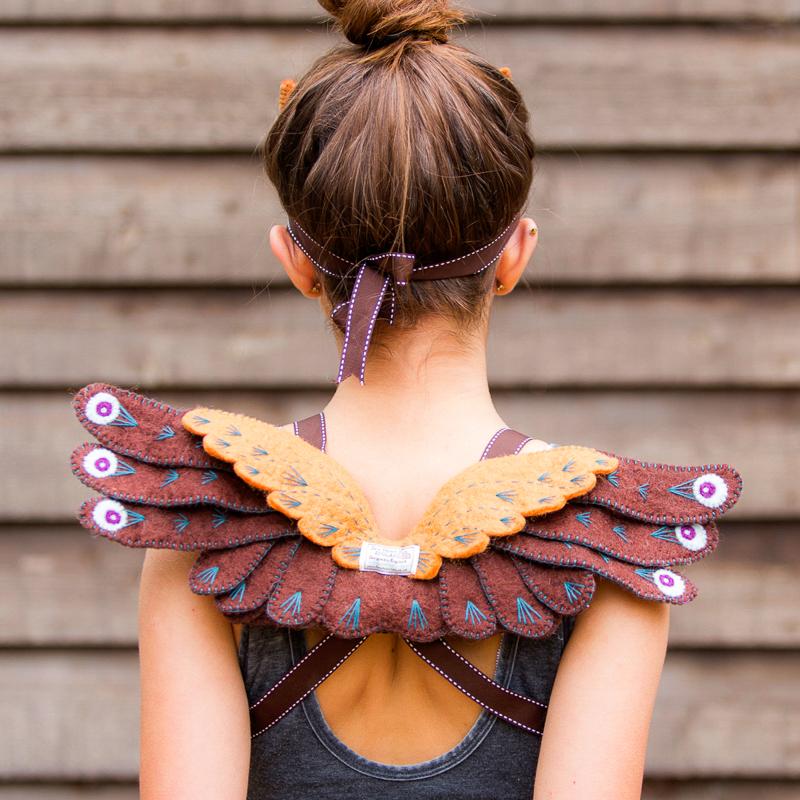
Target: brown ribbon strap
323	659
312	430
300	681
376	279
512	707
505	442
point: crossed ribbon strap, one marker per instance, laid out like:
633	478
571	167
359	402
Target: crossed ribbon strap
331	652
376	279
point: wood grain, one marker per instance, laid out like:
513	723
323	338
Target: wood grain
565	337
603	219
653	790
216	88
708	722
756	432
305	10
59	586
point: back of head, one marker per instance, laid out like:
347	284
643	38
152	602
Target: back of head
401	140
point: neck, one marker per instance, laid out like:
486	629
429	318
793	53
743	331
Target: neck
427	381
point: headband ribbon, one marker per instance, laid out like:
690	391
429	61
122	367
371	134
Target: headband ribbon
374	287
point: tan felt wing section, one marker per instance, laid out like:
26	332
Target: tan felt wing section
493	497
301	481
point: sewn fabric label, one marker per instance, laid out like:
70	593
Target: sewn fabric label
388	559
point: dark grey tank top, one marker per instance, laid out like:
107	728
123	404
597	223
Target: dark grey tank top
299	758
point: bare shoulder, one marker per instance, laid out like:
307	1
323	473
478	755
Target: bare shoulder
618	616
165	594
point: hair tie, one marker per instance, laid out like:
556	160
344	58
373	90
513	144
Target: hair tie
285	92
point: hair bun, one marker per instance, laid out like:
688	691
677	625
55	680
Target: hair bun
374	23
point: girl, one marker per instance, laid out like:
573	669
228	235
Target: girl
412	154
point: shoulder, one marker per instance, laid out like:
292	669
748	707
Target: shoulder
617	616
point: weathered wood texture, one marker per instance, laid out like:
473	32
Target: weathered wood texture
134	220
756	432
306	10
209	89
709	719
653	789
38	791
602	218
748	593
719	790
598	337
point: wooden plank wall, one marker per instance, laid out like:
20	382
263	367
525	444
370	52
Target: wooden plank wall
133	221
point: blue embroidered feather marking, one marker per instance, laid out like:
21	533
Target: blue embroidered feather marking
352	617
416	617
472	614
526	613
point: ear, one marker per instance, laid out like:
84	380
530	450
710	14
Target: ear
295	262
516	255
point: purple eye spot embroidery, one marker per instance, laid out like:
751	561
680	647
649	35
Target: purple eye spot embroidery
687	531
113	517
102	464
707	489
104	408
666	580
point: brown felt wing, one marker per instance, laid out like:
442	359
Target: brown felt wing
159	489
513	542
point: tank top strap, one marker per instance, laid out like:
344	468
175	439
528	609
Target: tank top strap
504	442
312	430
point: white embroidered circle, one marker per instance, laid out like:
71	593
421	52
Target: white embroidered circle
710	490
100	463
669	582
102	408
110	515
691	535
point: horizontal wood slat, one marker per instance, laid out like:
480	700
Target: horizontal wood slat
39	791
717	715
652	790
719	790
265	339
756	432
307	10
209	89
602	219
60	586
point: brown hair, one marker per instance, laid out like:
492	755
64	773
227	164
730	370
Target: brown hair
403	141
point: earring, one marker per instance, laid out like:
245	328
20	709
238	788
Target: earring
316	289
534	229
500	287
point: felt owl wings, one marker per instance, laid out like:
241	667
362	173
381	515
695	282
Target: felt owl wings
285	536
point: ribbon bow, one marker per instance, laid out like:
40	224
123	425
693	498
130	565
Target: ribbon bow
376	276
376	279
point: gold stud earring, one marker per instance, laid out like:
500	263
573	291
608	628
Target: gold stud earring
316	289
500	287
534	229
